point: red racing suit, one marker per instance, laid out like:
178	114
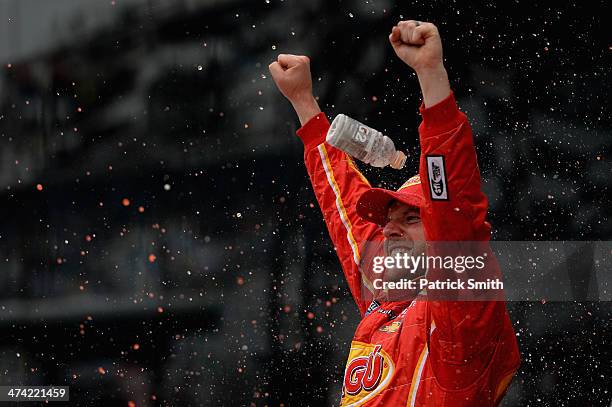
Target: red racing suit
418	353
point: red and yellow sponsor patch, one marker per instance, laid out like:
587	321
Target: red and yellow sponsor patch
368	372
392	327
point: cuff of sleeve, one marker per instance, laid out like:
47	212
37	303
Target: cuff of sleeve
441	117
314	131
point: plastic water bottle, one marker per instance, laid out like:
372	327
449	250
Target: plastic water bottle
364	143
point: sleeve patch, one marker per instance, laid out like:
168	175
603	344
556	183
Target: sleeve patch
436	173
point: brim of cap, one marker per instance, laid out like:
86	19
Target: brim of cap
373	204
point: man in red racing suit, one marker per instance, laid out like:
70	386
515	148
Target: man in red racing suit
409	352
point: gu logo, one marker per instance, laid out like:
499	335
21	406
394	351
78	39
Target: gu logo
437	178
368	371
361	135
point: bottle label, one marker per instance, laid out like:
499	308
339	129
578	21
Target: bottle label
361	136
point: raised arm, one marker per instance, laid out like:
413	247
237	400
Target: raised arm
456	205
419	46
468	334
336	181
291	73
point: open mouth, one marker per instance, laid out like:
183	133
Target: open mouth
395	250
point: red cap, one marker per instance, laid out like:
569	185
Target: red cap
373	204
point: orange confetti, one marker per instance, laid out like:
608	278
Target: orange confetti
125	202
131	404
240	280
87	238
141	209
135	346
310	315
101	370
152	258
160	309
39	187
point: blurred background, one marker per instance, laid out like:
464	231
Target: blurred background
161	244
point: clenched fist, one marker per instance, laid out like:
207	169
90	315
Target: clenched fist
420	47
291	73
418	44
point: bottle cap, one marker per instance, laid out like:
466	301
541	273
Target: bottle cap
399	160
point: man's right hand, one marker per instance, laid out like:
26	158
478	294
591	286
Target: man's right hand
291	73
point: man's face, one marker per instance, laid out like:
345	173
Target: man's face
403	233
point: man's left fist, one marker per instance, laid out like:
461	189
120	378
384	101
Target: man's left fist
418	44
